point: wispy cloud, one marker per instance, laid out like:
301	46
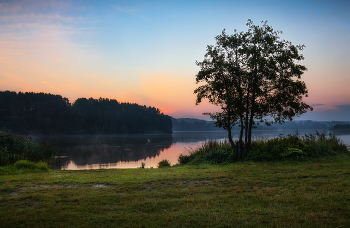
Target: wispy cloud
131	11
343	107
316	104
10	8
19	77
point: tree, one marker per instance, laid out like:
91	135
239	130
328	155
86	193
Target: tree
253	76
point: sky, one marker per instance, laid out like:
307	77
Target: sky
145	51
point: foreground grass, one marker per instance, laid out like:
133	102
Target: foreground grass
306	194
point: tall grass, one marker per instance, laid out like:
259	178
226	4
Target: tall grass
24	166
15	147
211	151
290	147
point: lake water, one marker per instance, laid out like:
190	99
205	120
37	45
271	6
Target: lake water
128	151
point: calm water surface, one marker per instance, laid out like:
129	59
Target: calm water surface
128	151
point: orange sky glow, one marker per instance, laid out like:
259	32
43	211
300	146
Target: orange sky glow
145	53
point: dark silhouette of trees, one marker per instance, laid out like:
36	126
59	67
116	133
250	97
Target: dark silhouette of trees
253	76
47	113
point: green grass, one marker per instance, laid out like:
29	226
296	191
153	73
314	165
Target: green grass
24	166
282	148
314	193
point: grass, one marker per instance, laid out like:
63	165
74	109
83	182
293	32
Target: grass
313	193
24	166
282	148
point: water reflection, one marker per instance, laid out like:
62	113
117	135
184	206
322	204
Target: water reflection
128	151
106	151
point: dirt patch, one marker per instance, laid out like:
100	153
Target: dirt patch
285	173
195	182
101	186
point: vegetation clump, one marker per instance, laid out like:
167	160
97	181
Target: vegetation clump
24	166
214	152
290	147
15	147
164	163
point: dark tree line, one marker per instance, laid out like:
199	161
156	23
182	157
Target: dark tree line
341	127
48	113
190	124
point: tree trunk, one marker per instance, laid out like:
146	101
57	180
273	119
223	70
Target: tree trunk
251	122
240	141
246	123
246	134
250	130
234	147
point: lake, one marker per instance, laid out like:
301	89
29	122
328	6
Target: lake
128	151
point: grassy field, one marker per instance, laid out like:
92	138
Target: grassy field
304	194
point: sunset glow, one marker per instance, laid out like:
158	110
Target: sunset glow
145	51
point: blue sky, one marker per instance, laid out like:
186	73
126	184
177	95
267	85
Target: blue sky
145	51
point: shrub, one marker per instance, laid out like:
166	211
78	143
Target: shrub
274	149
219	156
215	152
143	164
15	147
163	163
24	166
295	147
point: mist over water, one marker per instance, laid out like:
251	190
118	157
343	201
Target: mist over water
128	151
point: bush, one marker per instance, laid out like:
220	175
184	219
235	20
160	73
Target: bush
24	166
290	147
163	163
214	152
15	147
219	156
143	164
295	147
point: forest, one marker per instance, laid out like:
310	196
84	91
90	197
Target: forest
191	124
43	113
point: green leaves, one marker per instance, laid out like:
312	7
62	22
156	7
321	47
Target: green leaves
252	75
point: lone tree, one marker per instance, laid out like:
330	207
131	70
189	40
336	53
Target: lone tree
253	76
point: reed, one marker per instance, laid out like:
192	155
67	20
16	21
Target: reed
290	147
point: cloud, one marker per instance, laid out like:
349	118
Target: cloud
134	11
23	6
345	107
10	8
339	112
316	104
131	11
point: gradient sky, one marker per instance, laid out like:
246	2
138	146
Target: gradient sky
145	51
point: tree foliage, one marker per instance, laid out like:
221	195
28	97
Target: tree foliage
253	76
48	113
